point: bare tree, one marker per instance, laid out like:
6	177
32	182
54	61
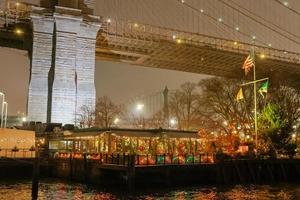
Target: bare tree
183	106
158	120
106	112
86	117
219	109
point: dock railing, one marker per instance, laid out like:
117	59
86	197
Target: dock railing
17	153
141	159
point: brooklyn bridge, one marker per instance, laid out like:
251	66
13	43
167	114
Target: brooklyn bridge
64	38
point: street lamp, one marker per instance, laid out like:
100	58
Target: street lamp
139	107
2	108
6	105
116	121
173	123
24	119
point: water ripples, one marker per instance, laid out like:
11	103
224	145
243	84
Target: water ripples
59	190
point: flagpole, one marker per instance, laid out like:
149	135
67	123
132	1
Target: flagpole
255	103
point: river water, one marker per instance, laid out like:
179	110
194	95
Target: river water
61	190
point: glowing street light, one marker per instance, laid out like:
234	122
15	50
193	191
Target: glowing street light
140	107
116	121
6	105
172	122
2	108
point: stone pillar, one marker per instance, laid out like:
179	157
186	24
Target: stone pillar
85	66
40	67
64	86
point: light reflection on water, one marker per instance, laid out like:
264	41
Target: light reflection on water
59	190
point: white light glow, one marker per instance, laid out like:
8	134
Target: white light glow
139	107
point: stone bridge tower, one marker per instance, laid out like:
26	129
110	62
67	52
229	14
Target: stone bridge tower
63	60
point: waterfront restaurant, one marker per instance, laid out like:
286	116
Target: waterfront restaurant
17	143
127	141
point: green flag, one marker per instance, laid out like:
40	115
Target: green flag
264	88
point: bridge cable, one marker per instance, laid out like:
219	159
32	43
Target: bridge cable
270	22
211	17
262	24
291	9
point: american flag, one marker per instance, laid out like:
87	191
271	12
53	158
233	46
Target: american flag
249	62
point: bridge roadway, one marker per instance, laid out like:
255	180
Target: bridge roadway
151	46
158	47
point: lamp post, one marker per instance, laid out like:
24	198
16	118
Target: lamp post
172	123
2	108
139	108
6	107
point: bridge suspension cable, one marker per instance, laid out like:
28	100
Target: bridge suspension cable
222	22
267	21
291	9
259	22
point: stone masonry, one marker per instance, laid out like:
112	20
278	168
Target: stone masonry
63	64
85	66
40	67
